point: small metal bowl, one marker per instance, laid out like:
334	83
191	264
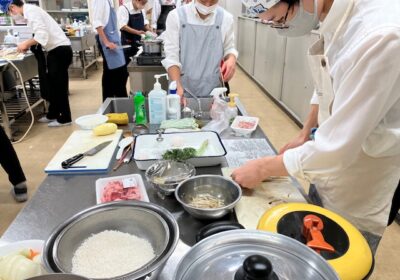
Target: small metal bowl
217	186
165	175
58	276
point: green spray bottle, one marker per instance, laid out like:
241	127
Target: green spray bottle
140	108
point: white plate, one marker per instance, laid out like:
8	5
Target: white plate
102	182
91	121
8	248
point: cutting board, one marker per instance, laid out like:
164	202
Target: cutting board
81	141
254	203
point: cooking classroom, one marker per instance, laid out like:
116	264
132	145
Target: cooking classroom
199	139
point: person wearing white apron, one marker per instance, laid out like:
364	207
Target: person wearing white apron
109	42
354	160
198	37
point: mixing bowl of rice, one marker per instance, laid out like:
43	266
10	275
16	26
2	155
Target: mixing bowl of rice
118	240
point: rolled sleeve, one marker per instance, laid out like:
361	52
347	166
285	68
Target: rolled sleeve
100	13
171	41
229	38
363	97
155	13
314	99
40	30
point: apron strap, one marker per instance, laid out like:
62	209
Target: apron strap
219	18
182	16
127	9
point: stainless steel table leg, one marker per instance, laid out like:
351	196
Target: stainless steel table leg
82	56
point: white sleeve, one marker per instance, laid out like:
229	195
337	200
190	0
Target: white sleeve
229	35
123	16
155	13
100	13
146	21
171	41
364	94
314	99
39	28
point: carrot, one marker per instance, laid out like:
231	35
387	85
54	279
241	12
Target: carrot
32	254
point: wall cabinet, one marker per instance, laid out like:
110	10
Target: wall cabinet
246	44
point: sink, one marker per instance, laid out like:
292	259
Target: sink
125	105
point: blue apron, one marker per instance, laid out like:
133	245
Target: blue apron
115	58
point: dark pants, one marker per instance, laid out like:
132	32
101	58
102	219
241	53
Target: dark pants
58	61
113	80
42	70
9	160
395	205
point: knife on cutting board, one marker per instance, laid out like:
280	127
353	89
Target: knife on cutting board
69	162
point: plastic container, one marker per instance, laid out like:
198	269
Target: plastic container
244	126
127	180
9	39
157	103
140	108
89	122
173	103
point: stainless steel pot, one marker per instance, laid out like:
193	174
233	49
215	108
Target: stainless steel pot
145	220
152	46
250	254
58	276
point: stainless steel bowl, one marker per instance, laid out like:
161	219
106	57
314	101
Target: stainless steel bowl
165	175
58	276
145	220
218	186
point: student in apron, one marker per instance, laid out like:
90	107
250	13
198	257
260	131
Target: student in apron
354	159
198	37
160	11
109	41
132	24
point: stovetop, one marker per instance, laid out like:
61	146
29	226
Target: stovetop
149	59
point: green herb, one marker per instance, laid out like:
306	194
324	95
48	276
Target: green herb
186	153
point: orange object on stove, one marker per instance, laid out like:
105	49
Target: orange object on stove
312	231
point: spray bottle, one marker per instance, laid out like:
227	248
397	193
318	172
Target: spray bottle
232	110
158	102
173	102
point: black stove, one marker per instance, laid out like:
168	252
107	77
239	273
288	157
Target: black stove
149	59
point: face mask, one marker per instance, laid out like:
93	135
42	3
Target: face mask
302	23
205	10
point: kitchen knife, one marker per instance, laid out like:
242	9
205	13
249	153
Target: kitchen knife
121	47
69	162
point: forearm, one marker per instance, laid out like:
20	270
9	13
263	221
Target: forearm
273	166
30	42
131	30
174	73
102	35
230	57
311	121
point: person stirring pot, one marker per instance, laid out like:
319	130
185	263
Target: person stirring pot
354	159
198	37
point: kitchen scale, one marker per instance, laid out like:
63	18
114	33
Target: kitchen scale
149	59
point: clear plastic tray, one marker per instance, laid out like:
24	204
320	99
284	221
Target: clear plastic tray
240	131
102	182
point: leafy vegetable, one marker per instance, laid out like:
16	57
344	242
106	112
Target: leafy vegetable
185	153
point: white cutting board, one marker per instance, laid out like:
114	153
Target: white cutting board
81	141
254	203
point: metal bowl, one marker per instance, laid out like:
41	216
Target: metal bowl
59	276
217	186
165	175
145	220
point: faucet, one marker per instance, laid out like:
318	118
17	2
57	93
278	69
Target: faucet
199	114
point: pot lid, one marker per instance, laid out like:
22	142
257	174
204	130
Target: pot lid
244	254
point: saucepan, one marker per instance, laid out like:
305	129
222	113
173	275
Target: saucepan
151	46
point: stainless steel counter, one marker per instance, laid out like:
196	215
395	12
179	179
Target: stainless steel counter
60	197
81	44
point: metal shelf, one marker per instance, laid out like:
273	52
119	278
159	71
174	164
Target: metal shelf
68	12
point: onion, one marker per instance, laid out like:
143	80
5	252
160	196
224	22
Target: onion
18	267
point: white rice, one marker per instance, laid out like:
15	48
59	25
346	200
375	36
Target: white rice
111	253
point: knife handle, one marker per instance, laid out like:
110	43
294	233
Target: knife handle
67	163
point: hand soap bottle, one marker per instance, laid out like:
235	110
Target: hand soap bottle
173	103
232	110
157	102
140	108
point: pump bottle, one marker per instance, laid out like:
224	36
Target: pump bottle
232	110
173	103
157	102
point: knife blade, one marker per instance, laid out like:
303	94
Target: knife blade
69	162
121	47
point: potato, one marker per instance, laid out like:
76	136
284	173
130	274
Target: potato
105	129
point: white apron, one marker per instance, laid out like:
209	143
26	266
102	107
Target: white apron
363	192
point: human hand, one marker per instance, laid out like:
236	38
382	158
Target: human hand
141	32
296	142
228	68
22	47
110	45
180	91
249	175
